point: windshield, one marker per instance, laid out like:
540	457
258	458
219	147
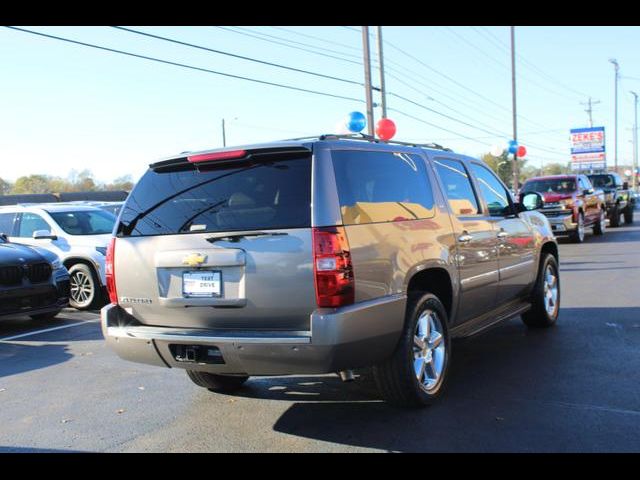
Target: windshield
550	185
602	181
85	222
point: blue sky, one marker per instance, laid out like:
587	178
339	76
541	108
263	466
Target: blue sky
67	106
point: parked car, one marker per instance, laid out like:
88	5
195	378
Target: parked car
78	234
323	255
33	281
111	207
619	198
571	204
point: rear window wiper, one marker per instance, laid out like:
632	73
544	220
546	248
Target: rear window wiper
237	236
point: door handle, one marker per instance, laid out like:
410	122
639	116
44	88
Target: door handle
502	234
464	238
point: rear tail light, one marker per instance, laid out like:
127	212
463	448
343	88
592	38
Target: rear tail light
110	271
333	271
210	157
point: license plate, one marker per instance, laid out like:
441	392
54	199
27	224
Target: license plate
202	284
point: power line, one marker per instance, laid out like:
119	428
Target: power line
242	57
529	64
191	67
289	46
330	42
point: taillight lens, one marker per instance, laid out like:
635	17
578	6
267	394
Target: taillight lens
110	271
333	271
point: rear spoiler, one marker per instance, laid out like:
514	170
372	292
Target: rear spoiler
224	157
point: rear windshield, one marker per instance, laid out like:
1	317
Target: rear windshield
557	185
94	222
274	194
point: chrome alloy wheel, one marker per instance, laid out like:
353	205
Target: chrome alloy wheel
428	350
603	221
581	227
551	291
82	288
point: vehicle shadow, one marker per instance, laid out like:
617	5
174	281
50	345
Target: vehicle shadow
506	382
16	358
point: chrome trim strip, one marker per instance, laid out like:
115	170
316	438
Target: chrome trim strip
170	334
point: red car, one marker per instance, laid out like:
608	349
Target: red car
571	204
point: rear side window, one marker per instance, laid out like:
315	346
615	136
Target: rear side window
6	223
457	186
258	196
381	186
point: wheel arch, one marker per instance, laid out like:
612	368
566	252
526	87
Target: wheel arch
438	281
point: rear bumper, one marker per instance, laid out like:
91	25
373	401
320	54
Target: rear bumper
350	337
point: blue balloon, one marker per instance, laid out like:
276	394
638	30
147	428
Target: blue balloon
513	146
356	122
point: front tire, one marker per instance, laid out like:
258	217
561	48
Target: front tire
578	235
614	220
628	215
85	288
217	383
545	299
415	374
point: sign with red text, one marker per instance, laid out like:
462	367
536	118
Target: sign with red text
588	149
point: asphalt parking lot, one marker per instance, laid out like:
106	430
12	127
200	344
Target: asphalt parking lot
572	388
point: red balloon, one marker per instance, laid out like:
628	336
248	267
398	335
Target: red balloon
522	152
385	129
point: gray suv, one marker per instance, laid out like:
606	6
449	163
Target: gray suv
321	255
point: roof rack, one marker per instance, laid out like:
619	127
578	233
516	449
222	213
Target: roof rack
368	138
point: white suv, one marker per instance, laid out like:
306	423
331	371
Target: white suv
78	234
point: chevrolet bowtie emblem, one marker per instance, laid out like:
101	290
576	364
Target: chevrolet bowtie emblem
194	259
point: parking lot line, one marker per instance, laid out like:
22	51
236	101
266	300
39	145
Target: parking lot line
22	335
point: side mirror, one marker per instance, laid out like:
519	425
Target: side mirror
588	191
625	186
44	235
4	237
530	201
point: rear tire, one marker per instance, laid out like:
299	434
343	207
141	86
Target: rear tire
600	226
628	215
85	290
217	383
415	373
45	316
545	303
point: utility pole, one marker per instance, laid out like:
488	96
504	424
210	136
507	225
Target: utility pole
635	141
383	91
615	131
589	109
224	135
367	79
515	116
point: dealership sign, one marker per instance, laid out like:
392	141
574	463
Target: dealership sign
587	149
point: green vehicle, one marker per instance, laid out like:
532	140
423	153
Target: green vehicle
620	199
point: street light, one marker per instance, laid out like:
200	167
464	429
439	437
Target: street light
615	128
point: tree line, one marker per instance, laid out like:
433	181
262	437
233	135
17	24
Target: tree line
502	166
82	181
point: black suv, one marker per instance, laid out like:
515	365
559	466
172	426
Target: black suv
620	199
33	281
